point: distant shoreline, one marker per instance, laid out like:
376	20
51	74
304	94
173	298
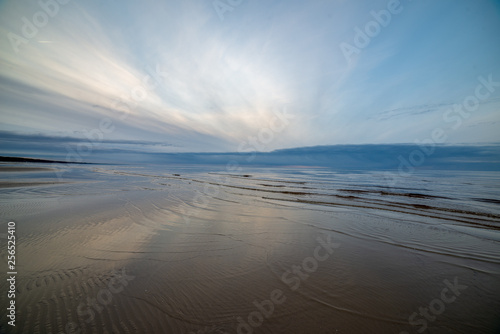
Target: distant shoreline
20	159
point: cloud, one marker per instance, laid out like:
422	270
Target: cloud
172	71
421	109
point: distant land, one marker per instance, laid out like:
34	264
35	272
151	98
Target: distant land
22	159
402	157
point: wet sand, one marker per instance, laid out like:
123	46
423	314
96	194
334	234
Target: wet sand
199	250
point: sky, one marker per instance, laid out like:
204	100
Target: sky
240	75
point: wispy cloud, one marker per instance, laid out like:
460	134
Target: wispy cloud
214	83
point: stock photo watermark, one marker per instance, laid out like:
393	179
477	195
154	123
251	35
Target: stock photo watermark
125	105
104	297
280	121
266	135
456	114
362	37
222	7
436	306
11	273
30	27
293	278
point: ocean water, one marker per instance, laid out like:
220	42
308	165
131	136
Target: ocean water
207	249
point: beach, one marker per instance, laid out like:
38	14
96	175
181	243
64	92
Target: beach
200	249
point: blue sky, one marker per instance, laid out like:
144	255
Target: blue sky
221	76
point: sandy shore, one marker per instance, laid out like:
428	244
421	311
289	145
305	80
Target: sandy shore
193	252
